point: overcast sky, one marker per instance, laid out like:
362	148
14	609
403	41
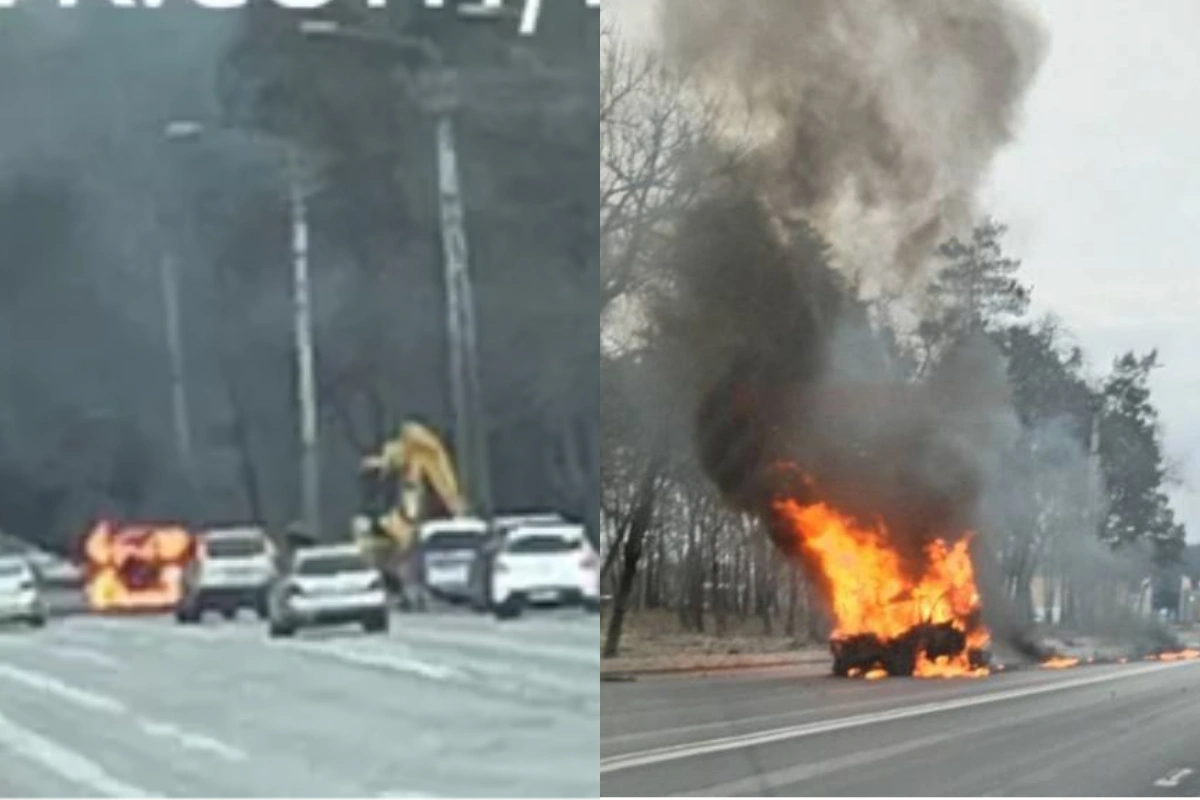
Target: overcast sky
1101	192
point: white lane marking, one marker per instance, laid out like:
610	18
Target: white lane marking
380	660
98	702
787	777
83	655
1172	780
65	651
63	762
473	639
192	741
674	752
44	683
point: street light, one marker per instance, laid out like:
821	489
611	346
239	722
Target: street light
310	468
169	278
470	445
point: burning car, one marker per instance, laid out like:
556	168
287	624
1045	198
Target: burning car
135	567
922	620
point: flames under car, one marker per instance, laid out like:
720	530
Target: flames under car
863	653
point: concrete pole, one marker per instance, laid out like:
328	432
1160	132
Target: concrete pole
470	431
310	454
170	286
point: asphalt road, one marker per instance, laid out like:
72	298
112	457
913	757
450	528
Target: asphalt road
1131	730
444	705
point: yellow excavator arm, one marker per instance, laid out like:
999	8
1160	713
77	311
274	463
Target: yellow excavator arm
417	457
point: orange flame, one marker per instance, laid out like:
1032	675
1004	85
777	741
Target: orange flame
872	593
109	551
1059	662
1180	655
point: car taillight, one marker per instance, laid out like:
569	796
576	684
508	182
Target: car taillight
590	561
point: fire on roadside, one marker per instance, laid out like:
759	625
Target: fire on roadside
1178	655
132	568
871	594
1060	662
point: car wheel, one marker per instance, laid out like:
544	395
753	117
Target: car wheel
229	613
37	621
509	609
278	630
260	608
376	623
591	605
185	615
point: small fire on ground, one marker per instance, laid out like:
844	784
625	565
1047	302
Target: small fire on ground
888	620
1059	662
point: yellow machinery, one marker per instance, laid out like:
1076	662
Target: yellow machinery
397	497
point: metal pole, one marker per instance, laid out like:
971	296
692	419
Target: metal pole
170	287
310	469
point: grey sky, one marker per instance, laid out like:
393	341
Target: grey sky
1101	191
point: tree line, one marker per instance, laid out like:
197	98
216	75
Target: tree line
92	196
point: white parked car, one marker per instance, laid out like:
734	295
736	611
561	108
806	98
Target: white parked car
545	565
233	569
447	549
21	597
328	585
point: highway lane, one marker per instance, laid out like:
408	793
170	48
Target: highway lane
446	704
1130	730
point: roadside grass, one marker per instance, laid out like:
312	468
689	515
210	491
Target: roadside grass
654	641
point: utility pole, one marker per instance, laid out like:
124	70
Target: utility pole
310	446
310	452
439	86
470	427
168	270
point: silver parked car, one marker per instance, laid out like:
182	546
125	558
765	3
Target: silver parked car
21	598
328	585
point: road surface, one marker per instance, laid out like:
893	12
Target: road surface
1130	730
445	705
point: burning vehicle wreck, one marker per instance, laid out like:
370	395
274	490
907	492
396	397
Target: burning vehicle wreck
864	652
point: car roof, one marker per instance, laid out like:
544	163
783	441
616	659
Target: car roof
246	532
565	531
329	551
455	525
530	517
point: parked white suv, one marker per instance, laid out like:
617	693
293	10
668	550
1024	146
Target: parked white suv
329	585
233	569
545	565
20	595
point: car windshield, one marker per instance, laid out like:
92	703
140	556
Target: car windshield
545	543
235	546
454	540
332	564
